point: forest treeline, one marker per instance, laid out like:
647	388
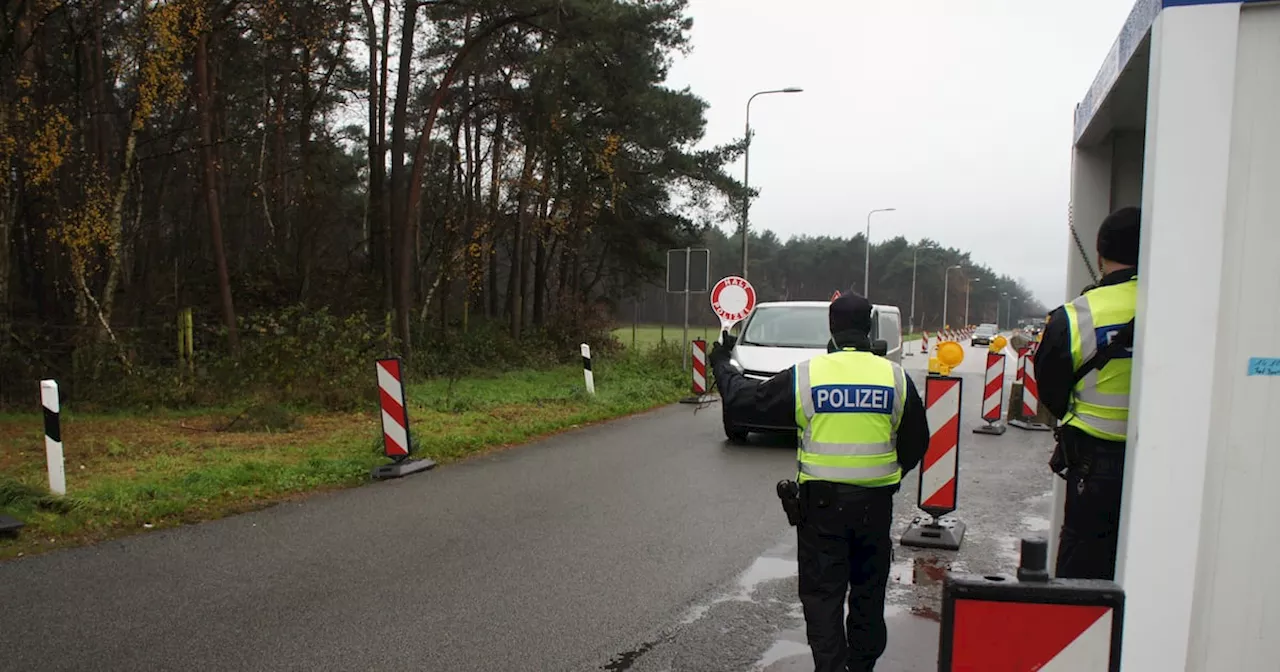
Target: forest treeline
323	181
812	268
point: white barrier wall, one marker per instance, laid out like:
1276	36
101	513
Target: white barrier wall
1236	608
1193	63
1196	544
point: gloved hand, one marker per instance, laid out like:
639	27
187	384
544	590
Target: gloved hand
721	350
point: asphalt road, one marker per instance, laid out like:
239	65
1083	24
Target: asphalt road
648	543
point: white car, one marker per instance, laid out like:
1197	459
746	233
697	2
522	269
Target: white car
779	335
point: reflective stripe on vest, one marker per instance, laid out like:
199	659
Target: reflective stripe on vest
848	408
1099	403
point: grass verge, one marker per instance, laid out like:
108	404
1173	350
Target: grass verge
126	474
647	336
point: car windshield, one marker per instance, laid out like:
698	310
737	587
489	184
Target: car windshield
788	327
985	331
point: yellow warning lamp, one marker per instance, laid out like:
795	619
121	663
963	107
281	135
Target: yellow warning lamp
950	354
997	344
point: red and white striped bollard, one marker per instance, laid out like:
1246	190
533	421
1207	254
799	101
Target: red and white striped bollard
940	469
1030	400
397	442
699	373
993	396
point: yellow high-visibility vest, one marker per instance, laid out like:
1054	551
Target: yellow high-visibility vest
848	408
1099	403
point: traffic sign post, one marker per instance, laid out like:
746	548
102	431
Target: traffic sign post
688	272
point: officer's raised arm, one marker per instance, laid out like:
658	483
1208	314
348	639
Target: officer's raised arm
769	402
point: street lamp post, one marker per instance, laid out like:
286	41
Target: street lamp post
914	259
866	271
746	170
968	286
1003	294
946	279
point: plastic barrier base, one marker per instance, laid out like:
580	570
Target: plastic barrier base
9	527
996	428
399	469
700	399
945	533
1030	425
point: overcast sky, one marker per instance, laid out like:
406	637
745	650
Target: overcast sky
956	112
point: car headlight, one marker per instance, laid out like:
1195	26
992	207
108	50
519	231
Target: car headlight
735	364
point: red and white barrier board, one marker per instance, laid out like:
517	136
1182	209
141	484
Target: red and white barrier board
1030	391
941	466
395	419
939	470
1014	626
699	367
993	391
1022	361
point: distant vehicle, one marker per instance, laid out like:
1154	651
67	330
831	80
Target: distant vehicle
779	335
983	335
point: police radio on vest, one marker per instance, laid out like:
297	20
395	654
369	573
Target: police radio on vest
853	399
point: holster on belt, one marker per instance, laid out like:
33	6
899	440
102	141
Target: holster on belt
789	493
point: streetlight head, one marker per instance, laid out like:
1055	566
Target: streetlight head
792	89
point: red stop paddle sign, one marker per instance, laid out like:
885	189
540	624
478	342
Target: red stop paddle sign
732	299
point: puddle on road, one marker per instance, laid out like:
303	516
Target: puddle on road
782	650
764	568
911	632
1036	523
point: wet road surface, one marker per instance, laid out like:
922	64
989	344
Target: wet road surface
644	544
754	621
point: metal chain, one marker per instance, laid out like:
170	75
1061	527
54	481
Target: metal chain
1079	245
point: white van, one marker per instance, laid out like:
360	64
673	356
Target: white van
779	335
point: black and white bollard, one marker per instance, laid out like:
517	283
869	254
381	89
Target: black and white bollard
586	370
53	437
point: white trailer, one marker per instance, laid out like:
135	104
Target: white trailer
1184	120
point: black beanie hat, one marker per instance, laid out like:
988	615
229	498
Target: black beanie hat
1118	236
849	314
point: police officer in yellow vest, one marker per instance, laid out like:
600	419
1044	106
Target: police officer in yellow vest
861	427
1083	368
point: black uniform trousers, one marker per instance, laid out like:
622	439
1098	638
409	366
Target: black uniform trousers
1091	517
844	551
